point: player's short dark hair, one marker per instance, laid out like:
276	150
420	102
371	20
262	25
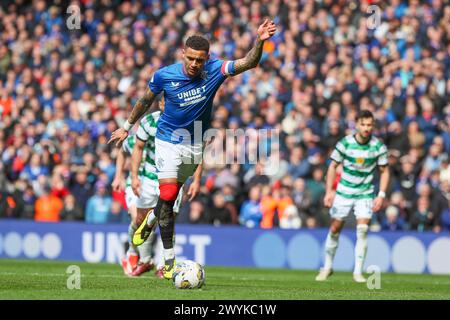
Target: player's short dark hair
198	43
365	114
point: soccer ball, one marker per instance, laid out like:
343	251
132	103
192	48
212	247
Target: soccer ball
188	275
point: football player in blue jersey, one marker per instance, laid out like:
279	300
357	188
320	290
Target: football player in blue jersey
189	89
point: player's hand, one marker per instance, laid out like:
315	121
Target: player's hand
120	135
377	204
193	190
266	30
328	199
117	185
136	186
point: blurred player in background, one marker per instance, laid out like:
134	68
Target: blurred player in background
189	89
145	186
137	259
359	155
131	259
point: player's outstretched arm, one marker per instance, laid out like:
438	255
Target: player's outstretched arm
251	60
136	158
140	108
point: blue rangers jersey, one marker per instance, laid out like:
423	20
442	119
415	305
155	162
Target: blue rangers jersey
188	100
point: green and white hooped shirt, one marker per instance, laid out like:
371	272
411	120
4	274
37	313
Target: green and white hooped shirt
146	132
359	164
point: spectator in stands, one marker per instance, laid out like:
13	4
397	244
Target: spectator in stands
268	206
407	180
71	211
98	206
298	165
29	200
416	137
256	176
434	158
48	206
445	217
34	168
8	206
422	219
290	219
251	214
439	203
316	187
81	188
117	213
58	186
218	213
197	213
392	220
231	202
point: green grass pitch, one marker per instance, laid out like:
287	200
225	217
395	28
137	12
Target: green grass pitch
32	279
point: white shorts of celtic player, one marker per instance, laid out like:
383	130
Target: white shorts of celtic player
150	194
130	197
342	207
177	160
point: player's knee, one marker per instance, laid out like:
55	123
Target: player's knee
335	228
169	191
361	230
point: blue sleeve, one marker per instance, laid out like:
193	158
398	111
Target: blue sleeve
156	83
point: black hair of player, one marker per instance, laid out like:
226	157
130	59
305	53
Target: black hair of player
365	114
198	43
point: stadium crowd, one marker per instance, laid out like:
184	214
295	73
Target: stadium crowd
63	91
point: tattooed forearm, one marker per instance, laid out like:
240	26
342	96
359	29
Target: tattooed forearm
252	58
141	106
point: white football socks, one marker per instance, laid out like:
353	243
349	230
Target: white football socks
132	249
169	254
146	249
360	247
331	245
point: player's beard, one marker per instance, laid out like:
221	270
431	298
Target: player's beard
193	72
366	135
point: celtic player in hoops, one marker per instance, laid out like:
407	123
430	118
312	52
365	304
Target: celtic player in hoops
359	154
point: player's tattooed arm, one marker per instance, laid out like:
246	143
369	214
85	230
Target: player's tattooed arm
141	106
251	60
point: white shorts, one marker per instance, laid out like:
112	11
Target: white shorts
177	160
150	194
130	197
341	208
